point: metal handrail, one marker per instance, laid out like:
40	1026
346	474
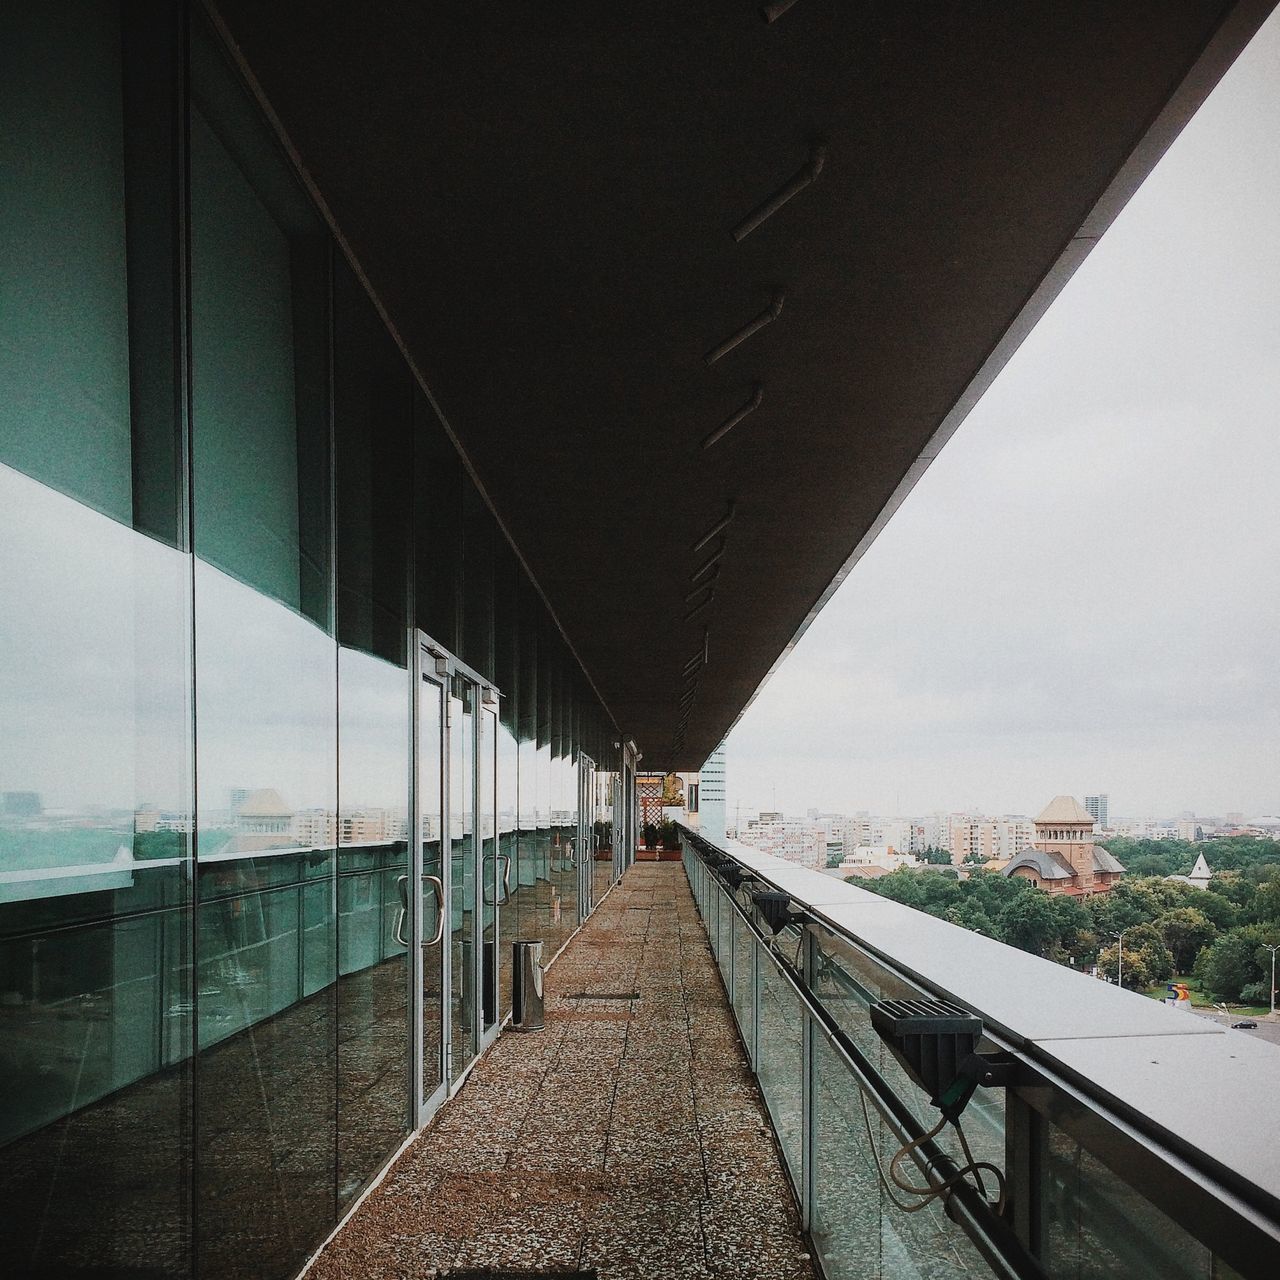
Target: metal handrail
1237	1221
993	1237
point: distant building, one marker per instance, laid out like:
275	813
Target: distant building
1097	806
795	839
884	856
1064	858
711	797
262	821
1200	875
983	839
22	804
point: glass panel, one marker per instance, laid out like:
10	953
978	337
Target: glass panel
508	871
847	1210
744	982
547	901
602	832
1097	1226
847	981
563	808
95	946
724	949
781	1055
528	909
462	870
96	1018
266	692
431	896
493	868
585	846
372	438
506	673
373	1034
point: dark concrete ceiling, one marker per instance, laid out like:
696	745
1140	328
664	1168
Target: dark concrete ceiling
542	197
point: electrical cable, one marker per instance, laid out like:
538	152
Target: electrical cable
875	1155
931	1192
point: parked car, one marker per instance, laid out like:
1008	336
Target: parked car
1247	1024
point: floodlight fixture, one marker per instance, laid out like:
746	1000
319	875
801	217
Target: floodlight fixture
936	1044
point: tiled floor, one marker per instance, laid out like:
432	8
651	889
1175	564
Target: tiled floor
628	1137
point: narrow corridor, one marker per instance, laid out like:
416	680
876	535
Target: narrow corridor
627	1139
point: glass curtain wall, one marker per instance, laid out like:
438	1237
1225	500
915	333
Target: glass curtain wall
225	503
373	434
96	998
266	690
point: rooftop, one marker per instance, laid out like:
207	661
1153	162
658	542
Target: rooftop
1065	809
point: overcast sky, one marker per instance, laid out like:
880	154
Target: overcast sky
1083	593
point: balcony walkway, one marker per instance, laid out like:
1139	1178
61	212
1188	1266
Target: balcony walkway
628	1138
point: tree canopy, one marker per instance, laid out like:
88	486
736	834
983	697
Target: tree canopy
1169	926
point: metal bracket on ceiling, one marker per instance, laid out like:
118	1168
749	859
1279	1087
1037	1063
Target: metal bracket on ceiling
763	212
766	317
733	419
719	525
772	12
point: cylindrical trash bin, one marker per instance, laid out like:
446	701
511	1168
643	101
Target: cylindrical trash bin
526	992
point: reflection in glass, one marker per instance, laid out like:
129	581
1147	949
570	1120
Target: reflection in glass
266	805
95	759
781	1053
508	762
373	1039
744	985
493	870
462	871
431	721
95	820
1096	1226
266	692
602	825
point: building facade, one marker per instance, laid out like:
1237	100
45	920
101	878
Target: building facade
1098	807
711	796
260	626
1064	858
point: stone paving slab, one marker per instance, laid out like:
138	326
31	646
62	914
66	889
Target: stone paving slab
629	1138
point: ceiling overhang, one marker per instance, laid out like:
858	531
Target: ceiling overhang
544	200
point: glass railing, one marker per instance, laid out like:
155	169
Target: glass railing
1117	1138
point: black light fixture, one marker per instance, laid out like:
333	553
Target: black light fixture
936	1043
774	907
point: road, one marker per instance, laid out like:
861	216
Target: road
1267	1029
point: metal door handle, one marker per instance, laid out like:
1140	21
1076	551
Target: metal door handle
506	878
437	885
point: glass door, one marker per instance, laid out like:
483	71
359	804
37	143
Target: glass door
586	850
494	865
463	877
428	868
